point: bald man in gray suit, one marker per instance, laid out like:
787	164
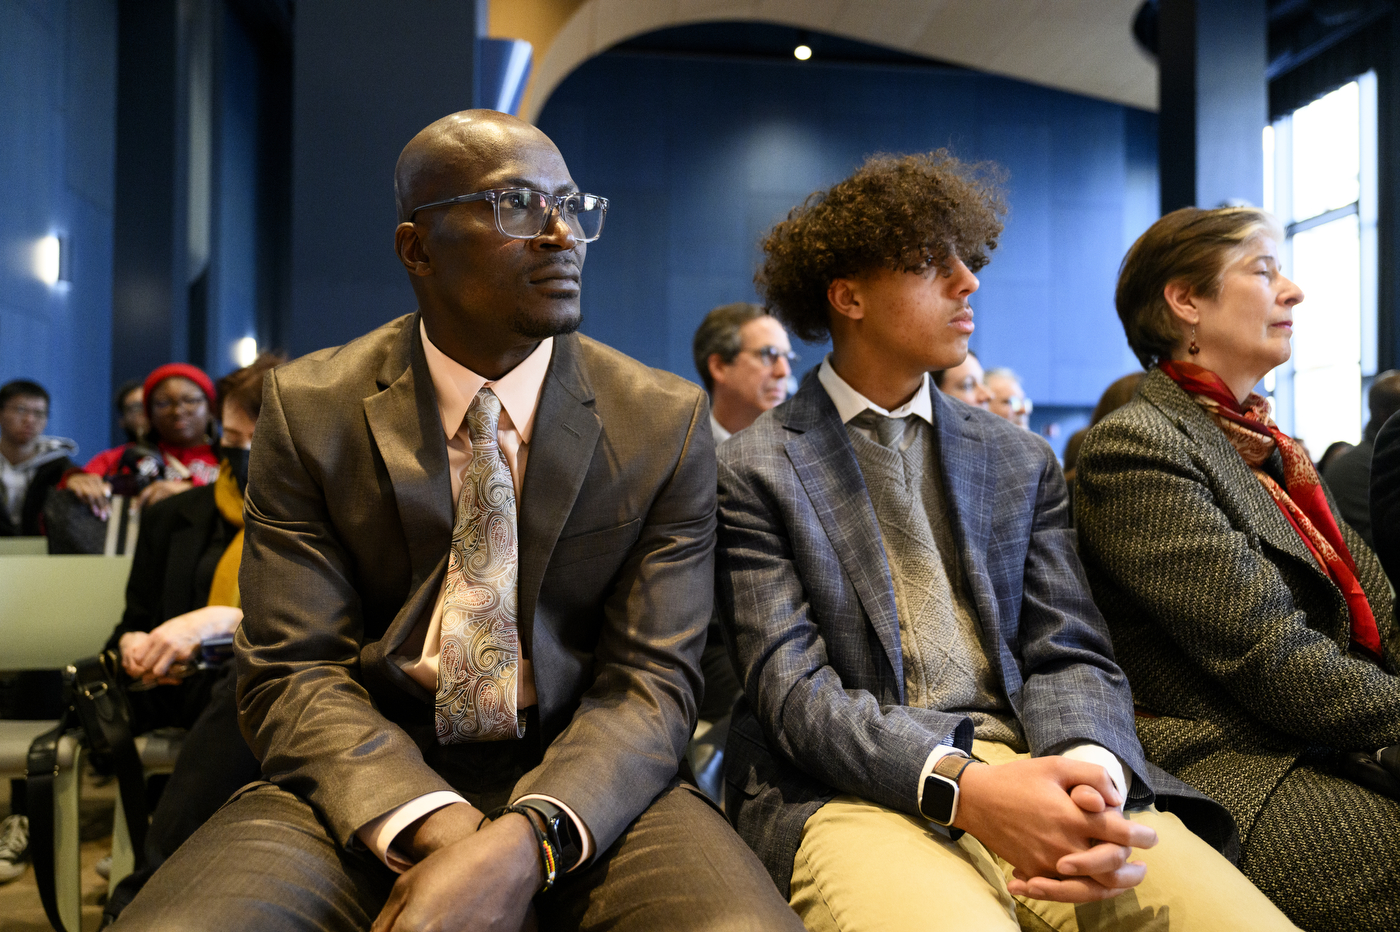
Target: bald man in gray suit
475	460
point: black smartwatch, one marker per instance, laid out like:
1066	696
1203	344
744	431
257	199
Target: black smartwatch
559	829
939	802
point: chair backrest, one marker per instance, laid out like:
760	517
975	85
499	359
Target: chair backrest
55	609
23	546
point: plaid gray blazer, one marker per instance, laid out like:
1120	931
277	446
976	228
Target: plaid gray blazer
1235	642
808	607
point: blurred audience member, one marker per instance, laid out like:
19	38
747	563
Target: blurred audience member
1349	475
131	411
184	590
30	463
1385	497
1008	398
1255	626
1114	397
1329	455
178	399
965	382
745	360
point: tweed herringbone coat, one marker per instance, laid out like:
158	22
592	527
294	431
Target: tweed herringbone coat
1235	643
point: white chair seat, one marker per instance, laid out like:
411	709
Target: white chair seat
158	749
15	738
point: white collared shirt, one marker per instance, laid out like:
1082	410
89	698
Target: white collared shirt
718	430
850	403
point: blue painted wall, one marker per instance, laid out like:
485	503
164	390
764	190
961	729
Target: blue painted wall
700	156
57	111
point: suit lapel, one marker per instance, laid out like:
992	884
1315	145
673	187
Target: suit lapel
826	466
1265	518
407	428
561	449
967	482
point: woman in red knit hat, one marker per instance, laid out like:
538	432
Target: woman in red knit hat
178	399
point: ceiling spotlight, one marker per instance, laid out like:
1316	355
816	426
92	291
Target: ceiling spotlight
802	52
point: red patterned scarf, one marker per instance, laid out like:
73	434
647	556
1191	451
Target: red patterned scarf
1255	435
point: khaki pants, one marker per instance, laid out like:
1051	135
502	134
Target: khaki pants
864	867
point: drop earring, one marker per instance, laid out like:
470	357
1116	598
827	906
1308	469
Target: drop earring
1193	349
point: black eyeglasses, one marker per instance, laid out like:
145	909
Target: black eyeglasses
190	402
770	355
524	213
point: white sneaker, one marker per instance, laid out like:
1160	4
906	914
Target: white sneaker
14	847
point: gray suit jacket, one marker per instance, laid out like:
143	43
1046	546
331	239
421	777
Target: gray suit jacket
805	594
349	519
1235	641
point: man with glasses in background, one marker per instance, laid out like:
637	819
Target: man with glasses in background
745	361
30	463
1008	400
476	579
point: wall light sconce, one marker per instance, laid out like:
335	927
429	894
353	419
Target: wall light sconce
51	260
245	351
802	52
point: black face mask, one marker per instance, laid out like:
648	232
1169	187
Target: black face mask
238	464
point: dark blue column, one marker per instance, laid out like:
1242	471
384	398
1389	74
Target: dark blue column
368	76
1214	101
149	294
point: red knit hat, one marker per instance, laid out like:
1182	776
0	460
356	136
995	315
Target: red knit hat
172	370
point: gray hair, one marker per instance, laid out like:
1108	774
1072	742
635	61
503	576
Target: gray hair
719	333
1003	372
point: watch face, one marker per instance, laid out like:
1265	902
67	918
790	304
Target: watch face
937	803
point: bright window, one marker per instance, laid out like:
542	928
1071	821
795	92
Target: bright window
1320	179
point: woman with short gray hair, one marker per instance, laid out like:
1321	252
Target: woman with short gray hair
1255	626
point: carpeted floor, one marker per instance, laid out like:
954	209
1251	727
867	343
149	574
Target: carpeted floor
20	910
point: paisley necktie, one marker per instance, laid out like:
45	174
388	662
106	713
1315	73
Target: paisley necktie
480	649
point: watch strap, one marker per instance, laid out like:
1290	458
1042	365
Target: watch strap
952	766
559	828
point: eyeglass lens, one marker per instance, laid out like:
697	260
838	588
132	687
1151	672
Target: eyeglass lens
771	354
184	401
523	213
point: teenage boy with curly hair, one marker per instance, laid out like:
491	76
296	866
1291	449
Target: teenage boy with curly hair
934	733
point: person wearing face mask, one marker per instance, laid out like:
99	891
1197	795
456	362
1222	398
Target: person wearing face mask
183	590
180	456
1255	625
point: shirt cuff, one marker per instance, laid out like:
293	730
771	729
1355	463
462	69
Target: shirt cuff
583	831
1090	753
937	754
378	835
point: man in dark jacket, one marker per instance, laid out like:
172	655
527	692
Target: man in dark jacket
1348	476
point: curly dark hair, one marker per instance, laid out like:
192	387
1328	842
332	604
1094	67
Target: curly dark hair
903	213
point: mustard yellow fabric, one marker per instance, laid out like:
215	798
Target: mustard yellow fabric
864	867
229	501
